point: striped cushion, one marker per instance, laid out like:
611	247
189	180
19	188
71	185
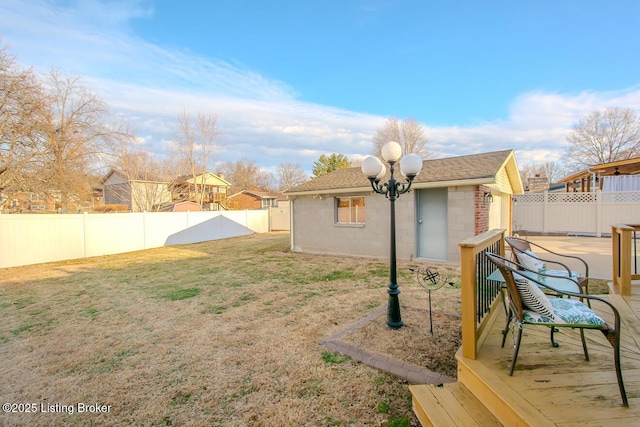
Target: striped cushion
534	299
530	261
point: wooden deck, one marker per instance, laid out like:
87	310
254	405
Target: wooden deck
550	386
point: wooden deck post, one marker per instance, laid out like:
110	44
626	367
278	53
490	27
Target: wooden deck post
469	302
621	251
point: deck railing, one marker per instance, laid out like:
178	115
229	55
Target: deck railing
479	295
625	256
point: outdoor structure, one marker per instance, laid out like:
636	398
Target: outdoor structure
254	199
140	192
622	175
451	199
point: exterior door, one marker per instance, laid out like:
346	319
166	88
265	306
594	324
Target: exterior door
495	213
432	223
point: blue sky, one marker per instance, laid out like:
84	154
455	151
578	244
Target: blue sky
291	80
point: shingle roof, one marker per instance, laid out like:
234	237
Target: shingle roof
462	168
262	194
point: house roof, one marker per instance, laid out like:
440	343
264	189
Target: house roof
135	176
474	169
208	178
261	194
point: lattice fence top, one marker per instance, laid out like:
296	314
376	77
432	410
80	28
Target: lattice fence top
612	196
529	198
621	196
572	197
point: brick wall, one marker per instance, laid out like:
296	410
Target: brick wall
481	209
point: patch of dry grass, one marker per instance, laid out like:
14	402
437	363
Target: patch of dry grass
217	333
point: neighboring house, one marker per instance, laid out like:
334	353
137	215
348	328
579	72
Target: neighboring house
451	200
209	188
140	192
622	175
254	199
27	201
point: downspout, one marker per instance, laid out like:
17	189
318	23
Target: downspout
596	201
291	230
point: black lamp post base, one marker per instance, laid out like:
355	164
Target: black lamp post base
395	325
394	319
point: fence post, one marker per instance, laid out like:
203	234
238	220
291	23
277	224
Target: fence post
144	229
545	211
598	195
85	218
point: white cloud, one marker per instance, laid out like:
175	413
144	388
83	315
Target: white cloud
260	118
537	126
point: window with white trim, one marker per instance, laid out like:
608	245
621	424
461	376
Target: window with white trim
350	210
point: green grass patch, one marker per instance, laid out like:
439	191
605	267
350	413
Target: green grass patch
106	365
214	309
181	399
90	313
244	299
399	422
382	407
30	327
176	293
23	302
334	358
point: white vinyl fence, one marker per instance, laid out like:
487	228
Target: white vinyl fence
580	213
33	239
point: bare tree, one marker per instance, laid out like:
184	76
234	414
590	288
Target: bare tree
290	175
245	174
23	107
197	141
553	170
604	137
80	137
408	133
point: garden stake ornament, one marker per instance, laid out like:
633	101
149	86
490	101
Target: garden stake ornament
431	281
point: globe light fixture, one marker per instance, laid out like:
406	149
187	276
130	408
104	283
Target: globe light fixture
375	170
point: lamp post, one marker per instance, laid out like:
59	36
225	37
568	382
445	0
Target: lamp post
375	170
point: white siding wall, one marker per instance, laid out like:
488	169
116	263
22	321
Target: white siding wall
32	239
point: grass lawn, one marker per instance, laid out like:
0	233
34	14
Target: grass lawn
219	333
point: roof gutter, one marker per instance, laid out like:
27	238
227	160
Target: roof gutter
415	185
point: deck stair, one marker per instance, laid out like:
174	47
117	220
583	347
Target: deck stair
450	404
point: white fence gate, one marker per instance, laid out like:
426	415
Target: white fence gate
280	219
33	239
580	213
